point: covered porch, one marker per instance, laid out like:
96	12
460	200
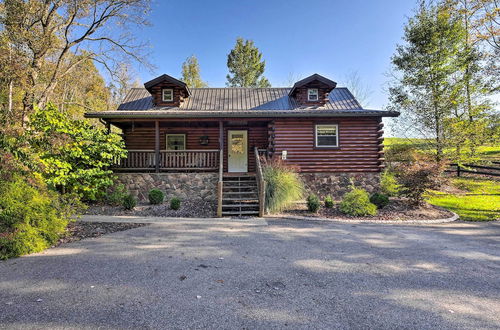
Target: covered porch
207	145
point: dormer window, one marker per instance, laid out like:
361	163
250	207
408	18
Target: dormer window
167	95
312	94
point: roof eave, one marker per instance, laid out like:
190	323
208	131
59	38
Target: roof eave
260	114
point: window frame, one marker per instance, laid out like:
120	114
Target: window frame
316	145
163	94
175	134
309	96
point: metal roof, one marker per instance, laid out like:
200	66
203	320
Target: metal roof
239	99
239	102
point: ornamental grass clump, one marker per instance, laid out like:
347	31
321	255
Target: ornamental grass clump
156	196
283	186
357	203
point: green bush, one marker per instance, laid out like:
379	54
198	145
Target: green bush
156	196
357	203
380	200
313	203
175	203
388	184
32	218
129	202
283	186
116	195
328	201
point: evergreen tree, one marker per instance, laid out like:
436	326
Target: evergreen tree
423	90
246	67
191	73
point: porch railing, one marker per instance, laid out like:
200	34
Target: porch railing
261	183
170	160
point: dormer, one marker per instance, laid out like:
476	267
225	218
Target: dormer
312	91
167	91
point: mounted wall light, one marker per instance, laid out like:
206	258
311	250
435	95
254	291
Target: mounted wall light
204	140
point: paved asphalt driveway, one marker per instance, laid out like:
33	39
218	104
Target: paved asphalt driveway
280	274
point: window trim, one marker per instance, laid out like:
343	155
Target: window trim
327	146
317	95
163	94
175	134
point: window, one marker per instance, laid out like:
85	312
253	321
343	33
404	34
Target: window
327	135
176	141
312	94
167	95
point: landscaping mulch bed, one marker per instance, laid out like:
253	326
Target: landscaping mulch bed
188	209
397	209
80	230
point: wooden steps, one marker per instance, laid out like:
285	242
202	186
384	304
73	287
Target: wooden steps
240	196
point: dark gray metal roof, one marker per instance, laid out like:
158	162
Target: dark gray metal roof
239	102
239	99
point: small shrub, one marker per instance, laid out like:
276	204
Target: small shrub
380	200
328	201
156	196
129	202
388	184
313	203
357	203
283	186
116	195
175	203
32	218
417	177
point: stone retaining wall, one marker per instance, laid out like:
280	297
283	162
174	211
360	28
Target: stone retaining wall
337	184
193	186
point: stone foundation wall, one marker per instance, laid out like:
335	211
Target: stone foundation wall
193	186
337	184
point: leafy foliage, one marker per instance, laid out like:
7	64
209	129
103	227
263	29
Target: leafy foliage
156	196
129	202
313	203
283	186
380	200
417	177
388	183
75	156
246	66
328	201
357	203
191	73
175	203
32	217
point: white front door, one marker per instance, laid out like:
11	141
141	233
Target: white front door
237	151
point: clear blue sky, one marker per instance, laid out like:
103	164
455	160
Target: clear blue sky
331	38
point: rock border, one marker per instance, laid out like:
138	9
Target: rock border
454	217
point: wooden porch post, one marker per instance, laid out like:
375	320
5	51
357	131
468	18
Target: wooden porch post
221	169
157	146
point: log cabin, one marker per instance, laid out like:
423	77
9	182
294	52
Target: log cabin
209	143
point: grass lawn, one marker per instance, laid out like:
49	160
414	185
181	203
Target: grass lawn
475	199
486	152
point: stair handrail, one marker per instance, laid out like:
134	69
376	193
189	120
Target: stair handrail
261	184
220	183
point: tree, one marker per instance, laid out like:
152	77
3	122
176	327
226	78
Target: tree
246	67
50	31
355	84
125	79
422	89
191	73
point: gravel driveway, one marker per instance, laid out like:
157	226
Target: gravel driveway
186	274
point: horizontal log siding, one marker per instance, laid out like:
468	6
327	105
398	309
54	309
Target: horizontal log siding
359	139
144	138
